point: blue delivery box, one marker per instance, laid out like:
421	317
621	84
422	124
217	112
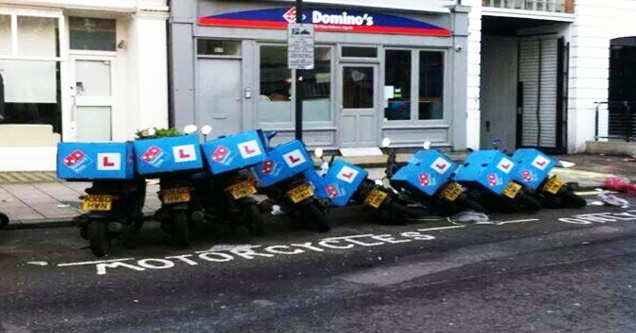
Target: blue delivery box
426	171
342	181
89	161
168	154
533	167
284	161
235	151
317	182
490	168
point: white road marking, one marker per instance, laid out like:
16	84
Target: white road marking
442	228
518	221
92	262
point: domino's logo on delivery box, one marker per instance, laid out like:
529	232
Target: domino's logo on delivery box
77	161
154	156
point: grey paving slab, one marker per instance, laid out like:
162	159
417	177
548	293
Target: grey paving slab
54	211
22	213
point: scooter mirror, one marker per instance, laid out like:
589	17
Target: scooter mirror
150	131
386	142
207	129
427	145
189	129
318	152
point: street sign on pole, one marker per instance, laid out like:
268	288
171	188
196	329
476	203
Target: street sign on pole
300	46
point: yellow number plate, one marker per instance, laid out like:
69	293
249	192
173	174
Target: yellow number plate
452	191
241	190
175	195
97	202
511	190
375	198
553	185
300	193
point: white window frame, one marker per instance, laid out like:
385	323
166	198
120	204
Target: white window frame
32	12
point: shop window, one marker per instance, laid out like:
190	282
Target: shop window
37	36
359	52
95	34
274	104
317	87
397	89
31	90
6	47
218	47
431	84
357	87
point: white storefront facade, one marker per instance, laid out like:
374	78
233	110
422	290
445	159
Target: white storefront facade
538	69
78	70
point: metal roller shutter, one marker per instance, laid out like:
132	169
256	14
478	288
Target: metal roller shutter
538	71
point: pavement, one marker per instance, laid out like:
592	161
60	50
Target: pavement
39	200
552	271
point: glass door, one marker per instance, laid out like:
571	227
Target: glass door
358	125
92	96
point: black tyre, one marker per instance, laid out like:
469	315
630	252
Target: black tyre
572	200
98	238
254	220
181	227
316	217
136	226
4	220
526	203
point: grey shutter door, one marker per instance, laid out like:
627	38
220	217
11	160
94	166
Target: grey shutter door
538	72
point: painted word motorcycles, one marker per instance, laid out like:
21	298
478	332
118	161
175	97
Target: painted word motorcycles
215	181
224	254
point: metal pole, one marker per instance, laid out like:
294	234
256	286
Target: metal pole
299	82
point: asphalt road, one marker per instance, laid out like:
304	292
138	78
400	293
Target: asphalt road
555	271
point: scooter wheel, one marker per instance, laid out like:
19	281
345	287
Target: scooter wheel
526	203
98	237
136	226
254	218
316	217
572	200
4	220
181	228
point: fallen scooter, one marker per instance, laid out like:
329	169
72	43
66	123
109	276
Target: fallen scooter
281	177
426	178
173	160
533	171
224	191
343	183
115	200
487	174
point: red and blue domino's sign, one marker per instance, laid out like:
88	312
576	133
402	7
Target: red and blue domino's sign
326	19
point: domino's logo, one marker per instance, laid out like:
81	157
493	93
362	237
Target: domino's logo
77	161
267	167
526	175
221	155
332	190
493	180
153	156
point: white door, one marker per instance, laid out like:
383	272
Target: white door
92	98
358	125
498	91
219	95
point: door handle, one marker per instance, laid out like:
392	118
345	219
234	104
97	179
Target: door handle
488	126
